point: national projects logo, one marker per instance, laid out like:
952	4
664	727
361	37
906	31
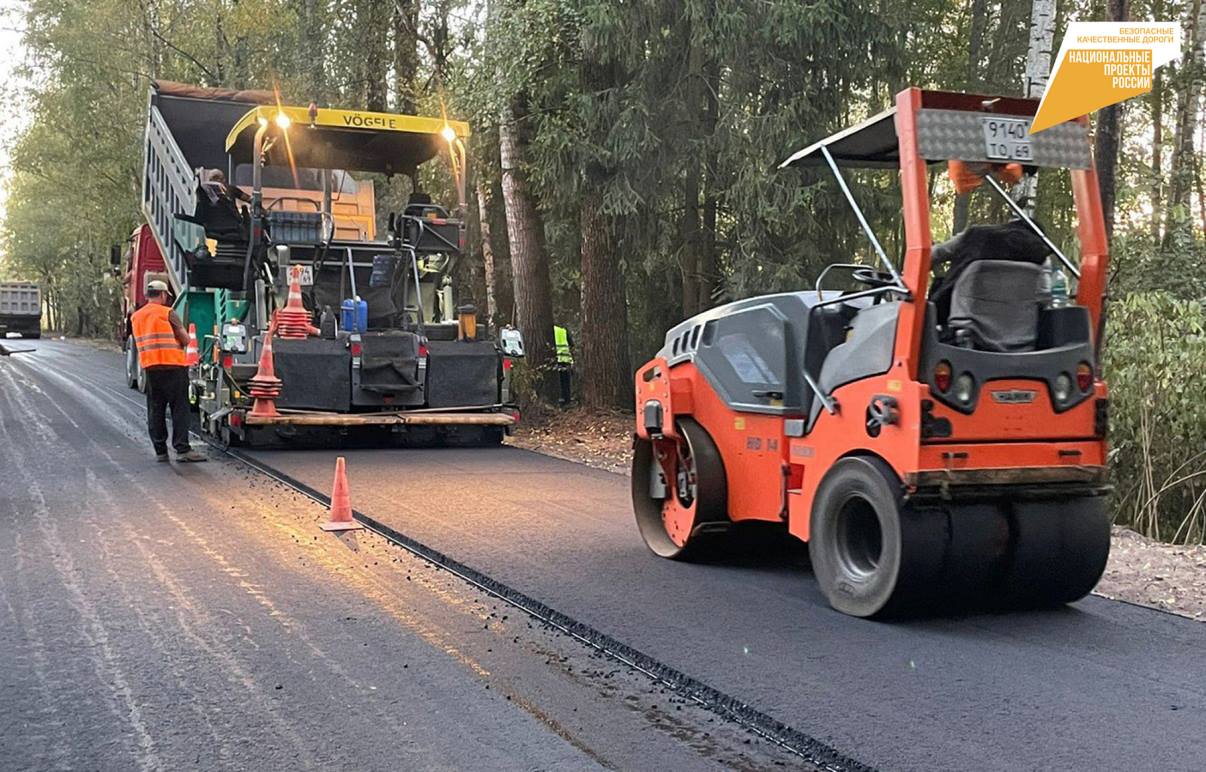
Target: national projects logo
1104	63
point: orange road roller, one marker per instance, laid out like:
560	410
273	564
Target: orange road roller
938	444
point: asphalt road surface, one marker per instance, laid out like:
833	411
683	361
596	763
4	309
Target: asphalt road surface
1098	685
165	616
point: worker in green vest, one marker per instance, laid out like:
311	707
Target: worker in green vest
565	361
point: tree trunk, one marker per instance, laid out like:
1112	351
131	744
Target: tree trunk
314	35
483	211
1038	70
1157	191
688	239
529	262
688	229
708	276
975	50
1108	138
406	54
603	348
222	48
1157	171
1201	188
708	273
1189	108
374	54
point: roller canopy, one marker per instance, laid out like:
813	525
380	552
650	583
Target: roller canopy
953	126
343	139
871	143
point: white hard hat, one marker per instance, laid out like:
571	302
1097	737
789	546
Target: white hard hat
157	285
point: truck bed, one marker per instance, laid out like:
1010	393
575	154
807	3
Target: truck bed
20	307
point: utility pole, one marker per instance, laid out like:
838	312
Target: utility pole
1038	70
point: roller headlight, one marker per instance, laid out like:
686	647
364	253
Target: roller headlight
965	388
1063	388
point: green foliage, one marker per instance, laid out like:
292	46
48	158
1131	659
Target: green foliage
673	115
1156	345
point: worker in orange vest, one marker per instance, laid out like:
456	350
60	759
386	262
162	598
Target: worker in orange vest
160	339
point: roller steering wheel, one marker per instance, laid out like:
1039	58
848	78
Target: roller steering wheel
873	278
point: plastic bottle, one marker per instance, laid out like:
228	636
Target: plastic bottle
1044	289
1059	288
326	324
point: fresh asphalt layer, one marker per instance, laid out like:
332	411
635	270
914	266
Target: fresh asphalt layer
1097	685
192	616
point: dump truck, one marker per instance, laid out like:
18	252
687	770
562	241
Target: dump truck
20	309
260	217
937	444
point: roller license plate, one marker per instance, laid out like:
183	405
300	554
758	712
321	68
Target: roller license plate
1007	139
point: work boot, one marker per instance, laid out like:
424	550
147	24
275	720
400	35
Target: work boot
161	457
191	455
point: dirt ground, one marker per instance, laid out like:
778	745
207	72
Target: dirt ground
1141	570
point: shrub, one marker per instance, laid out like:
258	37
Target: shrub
1154	363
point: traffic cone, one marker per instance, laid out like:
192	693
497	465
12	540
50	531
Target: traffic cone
341	502
294	320
191	355
265	386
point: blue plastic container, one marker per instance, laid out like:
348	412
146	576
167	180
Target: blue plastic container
353	315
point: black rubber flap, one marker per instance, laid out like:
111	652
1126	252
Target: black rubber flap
389	362
316	374
462	373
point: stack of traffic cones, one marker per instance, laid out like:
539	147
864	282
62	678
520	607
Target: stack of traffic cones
191	354
294	320
341	502
265	386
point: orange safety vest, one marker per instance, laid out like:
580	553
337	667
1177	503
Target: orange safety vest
154	338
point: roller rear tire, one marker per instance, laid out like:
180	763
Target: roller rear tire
871	554
875	555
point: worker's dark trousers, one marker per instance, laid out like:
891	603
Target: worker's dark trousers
564	373
167	386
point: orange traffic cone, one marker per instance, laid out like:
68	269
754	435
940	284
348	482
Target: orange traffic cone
265	386
341	502
191	355
294	320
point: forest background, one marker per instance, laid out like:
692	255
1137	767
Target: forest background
622	171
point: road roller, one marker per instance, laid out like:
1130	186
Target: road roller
933	423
